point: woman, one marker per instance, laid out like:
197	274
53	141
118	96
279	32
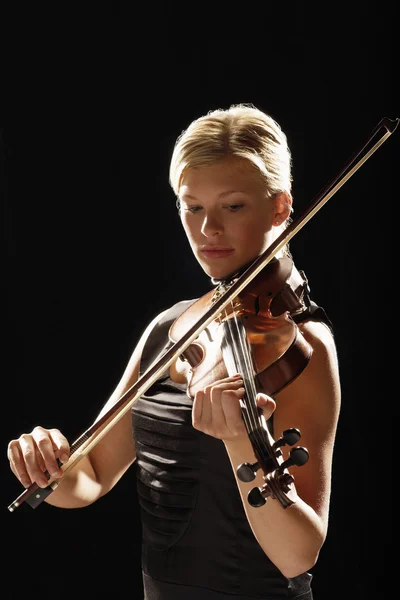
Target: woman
231	173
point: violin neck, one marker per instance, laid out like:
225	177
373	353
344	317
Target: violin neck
236	352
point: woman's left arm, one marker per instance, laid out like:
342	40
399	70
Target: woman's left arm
292	537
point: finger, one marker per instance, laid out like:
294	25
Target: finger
28	452
207	412
266	403
197	410
40	460
226	411
230	383
60	445
225	380
227	389
234	377
17	463
47	443
230	403
217	413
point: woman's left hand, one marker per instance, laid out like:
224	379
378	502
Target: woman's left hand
217	411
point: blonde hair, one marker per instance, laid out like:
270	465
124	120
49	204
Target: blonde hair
241	130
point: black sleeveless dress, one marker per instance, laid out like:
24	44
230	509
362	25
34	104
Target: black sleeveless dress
197	543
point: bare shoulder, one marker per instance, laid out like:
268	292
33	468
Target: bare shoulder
319	336
316	390
323	368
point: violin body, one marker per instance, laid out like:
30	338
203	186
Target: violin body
278	349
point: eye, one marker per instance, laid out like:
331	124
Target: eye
192	209
235	207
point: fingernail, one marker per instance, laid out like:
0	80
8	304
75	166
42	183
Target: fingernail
64	458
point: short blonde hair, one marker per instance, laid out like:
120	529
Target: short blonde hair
241	130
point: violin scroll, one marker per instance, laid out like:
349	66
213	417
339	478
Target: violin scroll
277	479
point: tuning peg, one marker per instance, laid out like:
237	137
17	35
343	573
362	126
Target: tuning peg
274	487
247	471
298	457
288	437
256	497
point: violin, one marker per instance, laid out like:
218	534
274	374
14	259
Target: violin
248	321
257	337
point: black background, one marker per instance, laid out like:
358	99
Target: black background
92	101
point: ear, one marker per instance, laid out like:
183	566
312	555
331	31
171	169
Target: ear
283	207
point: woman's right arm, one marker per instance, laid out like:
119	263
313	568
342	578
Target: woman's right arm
96	473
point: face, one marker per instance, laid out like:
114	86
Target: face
227	216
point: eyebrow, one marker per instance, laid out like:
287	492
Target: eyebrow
221	195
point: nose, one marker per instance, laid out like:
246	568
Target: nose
212	225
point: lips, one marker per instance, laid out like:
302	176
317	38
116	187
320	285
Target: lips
216	251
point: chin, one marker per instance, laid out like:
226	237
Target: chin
220	272
212	272
220	269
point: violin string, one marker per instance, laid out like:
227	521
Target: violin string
251	415
246	353
235	367
249	381
243	352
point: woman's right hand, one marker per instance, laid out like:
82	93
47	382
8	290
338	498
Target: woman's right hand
34	453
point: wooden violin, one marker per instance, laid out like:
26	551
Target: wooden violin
267	349
233	307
